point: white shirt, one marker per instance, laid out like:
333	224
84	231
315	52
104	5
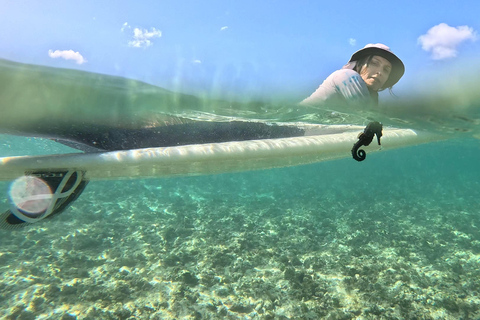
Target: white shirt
344	85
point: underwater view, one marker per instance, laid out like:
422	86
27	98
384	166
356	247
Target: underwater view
191	160
394	237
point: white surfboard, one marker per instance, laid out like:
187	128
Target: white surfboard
321	143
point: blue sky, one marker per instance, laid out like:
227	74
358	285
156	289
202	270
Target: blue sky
243	47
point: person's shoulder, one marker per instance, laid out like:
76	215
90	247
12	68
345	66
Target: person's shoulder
343	74
351	86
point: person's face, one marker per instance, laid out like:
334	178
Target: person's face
376	73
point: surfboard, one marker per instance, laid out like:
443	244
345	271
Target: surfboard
320	143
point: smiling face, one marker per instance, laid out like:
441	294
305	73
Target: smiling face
376	72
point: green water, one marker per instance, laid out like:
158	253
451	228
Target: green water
394	237
39	100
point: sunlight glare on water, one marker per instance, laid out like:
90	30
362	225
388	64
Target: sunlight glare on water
30	194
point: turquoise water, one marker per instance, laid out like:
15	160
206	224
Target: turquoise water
394	237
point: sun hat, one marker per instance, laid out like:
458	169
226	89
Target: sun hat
378	49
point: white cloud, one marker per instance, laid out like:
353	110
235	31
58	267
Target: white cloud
142	37
443	41
223	28
197	61
67	55
125	26
352	41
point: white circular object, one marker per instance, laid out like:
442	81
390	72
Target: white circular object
30	194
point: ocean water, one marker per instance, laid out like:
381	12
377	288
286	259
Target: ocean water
394	237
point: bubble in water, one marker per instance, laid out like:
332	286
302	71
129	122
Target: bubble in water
30	194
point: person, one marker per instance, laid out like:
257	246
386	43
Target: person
371	69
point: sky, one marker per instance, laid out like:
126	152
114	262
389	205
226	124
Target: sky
284	48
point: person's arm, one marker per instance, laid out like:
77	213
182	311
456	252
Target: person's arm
351	86
344	85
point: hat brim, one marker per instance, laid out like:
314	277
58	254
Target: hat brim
398	68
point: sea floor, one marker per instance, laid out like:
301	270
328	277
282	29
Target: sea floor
396	237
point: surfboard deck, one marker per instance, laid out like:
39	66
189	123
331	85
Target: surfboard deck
321	143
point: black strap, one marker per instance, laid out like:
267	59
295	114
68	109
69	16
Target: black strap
365	138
